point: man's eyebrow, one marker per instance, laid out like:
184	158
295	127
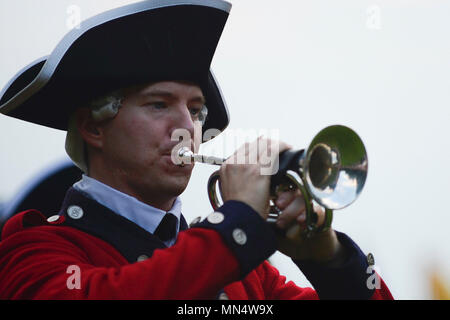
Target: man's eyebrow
199	99
169	95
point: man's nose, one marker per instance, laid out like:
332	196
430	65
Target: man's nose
182	119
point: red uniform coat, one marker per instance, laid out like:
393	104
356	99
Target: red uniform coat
37	260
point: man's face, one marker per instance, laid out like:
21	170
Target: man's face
138	141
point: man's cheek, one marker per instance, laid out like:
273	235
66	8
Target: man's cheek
197	138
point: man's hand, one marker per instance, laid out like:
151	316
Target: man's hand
243	181
323	247
241	175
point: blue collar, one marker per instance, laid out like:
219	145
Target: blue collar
145	216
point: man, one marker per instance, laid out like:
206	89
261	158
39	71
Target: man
128	81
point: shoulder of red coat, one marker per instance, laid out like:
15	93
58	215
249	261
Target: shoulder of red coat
27	219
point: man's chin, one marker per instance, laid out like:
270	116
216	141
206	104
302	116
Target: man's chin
177	184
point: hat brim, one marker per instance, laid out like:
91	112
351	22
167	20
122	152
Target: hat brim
145	42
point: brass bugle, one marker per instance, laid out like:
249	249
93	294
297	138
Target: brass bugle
331	172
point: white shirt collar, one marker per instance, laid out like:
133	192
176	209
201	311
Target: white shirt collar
144	215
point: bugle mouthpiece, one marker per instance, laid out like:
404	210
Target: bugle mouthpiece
187	156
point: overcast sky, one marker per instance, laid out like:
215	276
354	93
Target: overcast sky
379	67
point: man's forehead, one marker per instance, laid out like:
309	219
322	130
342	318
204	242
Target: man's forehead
168	88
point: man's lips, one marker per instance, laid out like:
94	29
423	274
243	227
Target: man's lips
173	159
176	147
173	153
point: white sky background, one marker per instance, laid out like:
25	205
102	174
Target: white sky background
380	67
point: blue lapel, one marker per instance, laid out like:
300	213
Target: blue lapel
125	236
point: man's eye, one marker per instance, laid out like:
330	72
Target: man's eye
158	105
199	113
195	111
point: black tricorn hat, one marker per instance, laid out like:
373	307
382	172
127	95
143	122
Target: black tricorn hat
144	42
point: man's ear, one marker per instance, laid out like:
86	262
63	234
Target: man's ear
90	130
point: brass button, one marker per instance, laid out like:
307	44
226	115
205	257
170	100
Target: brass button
216	217
239	236
142	257
223	296
75	212
53	218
